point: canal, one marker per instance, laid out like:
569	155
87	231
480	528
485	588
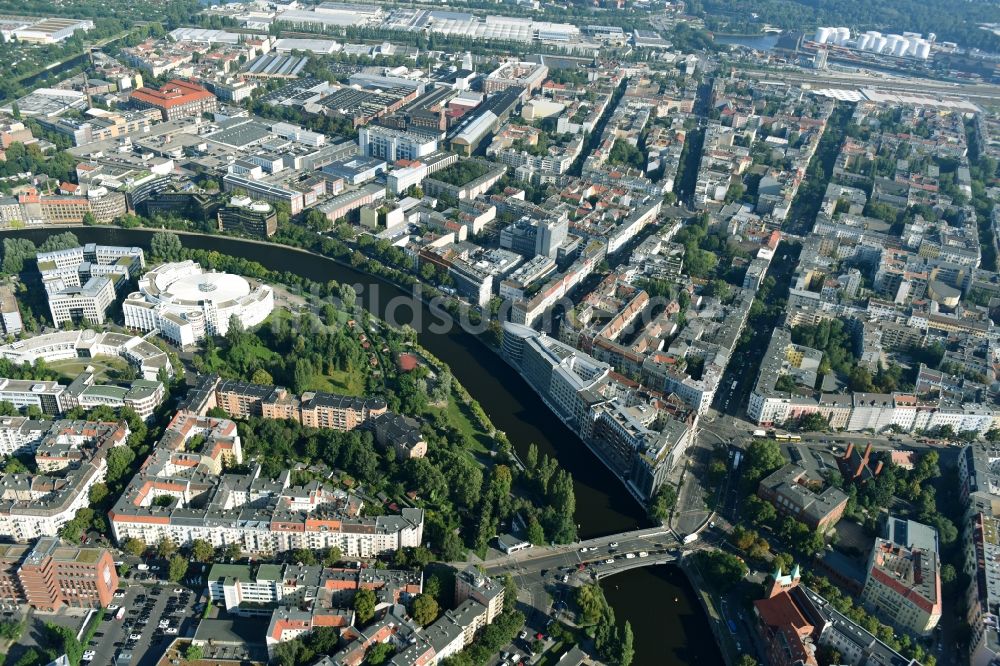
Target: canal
603	506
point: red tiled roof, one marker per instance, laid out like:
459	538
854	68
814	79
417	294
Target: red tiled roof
173	93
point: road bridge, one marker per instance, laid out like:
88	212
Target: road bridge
592	559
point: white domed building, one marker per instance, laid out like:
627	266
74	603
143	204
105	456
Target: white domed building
185	303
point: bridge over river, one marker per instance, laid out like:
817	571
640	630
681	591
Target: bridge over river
594	558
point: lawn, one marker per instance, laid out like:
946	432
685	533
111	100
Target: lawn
104	367
344	383
461	418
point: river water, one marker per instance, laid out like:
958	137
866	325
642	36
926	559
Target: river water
603	506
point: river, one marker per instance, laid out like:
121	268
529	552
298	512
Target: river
603	506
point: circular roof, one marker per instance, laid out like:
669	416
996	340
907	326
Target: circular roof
217	287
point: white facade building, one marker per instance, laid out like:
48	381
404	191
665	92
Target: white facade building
185	303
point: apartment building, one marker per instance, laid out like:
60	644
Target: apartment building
479	600
904	585
856	411
472	584
315	409
50	574
255	590
979	486
260	515
37	505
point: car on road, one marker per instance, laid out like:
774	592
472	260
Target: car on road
629	556
113	607
134	637
523	635
178	590
643	553
88	655
613	544
119	594
172	631
610	560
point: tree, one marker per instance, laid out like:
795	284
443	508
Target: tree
746	660
424	609
11	630
509	593
97	493
317	221
763	457
378	654
193	652
166	246
759	511
177	566
118	461
202	551
364	605
719	569
134	547
536	534
65	641
165	548
89	219
262	376
232	551
331	556
304	556
663	503
626	651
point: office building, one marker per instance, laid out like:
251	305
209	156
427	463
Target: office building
51	574
788	490
88	303
254	218
184	303
392	144
10	313
176	99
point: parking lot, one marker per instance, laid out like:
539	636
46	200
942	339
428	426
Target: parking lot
154	614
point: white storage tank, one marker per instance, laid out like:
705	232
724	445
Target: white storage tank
863	41
878	44
843	34
823	35
923	50
901	47
890	43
